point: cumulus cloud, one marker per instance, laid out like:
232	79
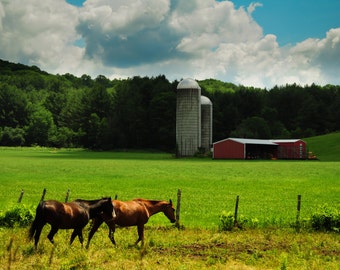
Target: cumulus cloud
177	38
39	33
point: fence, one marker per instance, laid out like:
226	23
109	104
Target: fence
264	204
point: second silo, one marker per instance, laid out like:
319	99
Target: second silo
188	117
206	123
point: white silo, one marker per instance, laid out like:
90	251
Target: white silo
206	123
188	117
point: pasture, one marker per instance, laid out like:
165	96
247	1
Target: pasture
267	190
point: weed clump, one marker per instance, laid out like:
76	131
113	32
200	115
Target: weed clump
19	215
227	222
326	218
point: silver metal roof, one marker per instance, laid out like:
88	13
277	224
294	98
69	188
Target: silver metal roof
250	141
205	101
253	141
188	83
286	141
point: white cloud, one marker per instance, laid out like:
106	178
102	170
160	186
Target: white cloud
253	6
39	33
191	38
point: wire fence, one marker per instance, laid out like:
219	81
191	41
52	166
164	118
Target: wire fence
277	211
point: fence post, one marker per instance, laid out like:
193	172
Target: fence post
236	210
21	195
297	223
43	194
178	208
67	195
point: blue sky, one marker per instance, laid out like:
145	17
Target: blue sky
295	20
254	43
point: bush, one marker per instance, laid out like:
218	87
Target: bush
227	221
20	215
326	218
12	136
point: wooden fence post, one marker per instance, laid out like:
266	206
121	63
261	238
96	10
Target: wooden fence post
297	223
21	195
67	195
236	210
43	194
178	208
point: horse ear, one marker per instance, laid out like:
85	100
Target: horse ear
170	202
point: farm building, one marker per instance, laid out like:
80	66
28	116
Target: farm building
193	119
291	149
206	123
188	117
237	148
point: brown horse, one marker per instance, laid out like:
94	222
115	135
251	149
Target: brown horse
133	213
74	215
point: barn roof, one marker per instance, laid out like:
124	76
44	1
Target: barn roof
286	140
250	141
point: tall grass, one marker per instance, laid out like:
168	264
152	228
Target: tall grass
268	189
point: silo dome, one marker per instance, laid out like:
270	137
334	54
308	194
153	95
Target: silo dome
205	101
188	83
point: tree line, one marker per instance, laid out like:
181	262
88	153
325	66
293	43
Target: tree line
38	108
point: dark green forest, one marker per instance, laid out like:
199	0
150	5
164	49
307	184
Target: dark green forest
38	108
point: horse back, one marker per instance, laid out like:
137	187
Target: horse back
130	213
65	215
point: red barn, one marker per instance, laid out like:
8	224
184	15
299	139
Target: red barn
291	149
237	148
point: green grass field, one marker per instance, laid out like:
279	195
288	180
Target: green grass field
268	192
268	189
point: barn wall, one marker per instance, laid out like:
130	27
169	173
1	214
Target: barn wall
292	150
228	149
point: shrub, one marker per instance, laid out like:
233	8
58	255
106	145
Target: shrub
326	218
20	215
226	221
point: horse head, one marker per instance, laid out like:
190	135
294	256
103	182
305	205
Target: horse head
170	211
108	208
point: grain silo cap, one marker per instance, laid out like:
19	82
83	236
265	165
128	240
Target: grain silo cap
188	83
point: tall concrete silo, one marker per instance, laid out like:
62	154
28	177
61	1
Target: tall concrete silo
206	123
188	117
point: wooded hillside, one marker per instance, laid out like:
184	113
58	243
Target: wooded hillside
38	108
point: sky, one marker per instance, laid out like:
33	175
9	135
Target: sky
253	43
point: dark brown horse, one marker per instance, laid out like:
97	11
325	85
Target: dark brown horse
133	213
74	215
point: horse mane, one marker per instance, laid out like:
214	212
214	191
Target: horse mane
153	202
92	201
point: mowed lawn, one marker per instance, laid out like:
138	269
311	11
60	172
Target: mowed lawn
267	190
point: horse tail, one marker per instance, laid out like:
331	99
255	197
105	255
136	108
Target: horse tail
38	217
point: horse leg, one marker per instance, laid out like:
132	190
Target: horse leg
140	229
51	234
37	233
111	234
79	232
95	225
80	236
